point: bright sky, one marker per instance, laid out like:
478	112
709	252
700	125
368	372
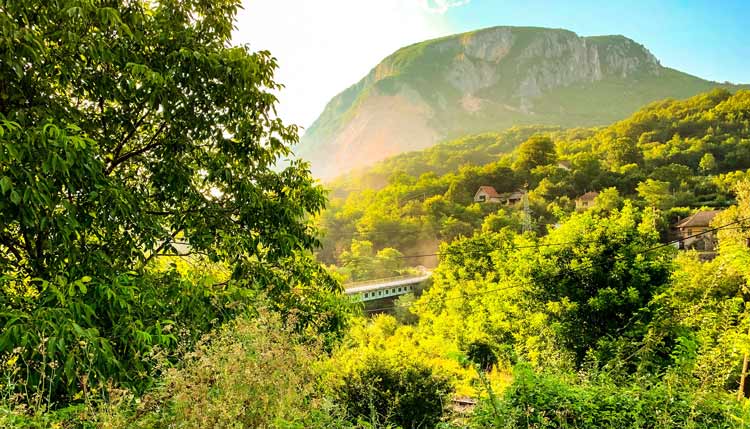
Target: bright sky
324	46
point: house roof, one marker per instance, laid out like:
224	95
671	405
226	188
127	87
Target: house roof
702	218
517	195
588	196
489	190
565	163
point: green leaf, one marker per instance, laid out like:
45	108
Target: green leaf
5	184
15	197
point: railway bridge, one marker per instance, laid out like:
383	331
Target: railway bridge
371	290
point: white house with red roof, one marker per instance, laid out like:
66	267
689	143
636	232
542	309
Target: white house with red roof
487	194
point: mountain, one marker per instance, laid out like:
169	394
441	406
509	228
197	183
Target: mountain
487	80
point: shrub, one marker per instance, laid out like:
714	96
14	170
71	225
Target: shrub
382	389
251	373
545	401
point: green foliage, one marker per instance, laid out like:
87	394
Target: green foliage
587	282
708	163
548	401
359	263
252	372
608	200
595	286
402	310
125	129
535	152
406	394
656	194
413	201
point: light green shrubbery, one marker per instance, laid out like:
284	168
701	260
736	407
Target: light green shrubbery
559	401
254	372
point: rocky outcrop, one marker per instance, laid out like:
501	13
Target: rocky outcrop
486	80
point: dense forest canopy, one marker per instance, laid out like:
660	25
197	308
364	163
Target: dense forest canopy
676	155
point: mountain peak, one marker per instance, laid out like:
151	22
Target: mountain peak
486	80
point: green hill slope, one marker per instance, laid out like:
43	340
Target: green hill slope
676	155
488	80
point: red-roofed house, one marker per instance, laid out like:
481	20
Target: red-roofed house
487	194
694	231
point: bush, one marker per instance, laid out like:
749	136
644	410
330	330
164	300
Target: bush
251	373
406	395
544	401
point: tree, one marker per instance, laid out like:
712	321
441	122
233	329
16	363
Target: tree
494	222
402	311
656	194
675	174
125	128
537	150
622	151
591	291
708	163
359	263
389	261
608	200
450	228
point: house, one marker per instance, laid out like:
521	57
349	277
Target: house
487	194
586	200
693	231
463	404
513	197
565	165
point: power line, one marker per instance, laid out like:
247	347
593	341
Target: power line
571	270
533	246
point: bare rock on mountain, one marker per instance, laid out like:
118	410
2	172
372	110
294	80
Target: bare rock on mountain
487	80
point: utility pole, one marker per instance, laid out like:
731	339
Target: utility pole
526	211
741	390
743	377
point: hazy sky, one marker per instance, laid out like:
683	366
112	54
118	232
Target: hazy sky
324	46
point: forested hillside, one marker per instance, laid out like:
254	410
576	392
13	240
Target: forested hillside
597	324
674	155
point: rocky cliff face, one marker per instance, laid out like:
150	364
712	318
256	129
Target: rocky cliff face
486	80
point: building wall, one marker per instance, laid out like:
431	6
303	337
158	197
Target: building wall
482	197
705	242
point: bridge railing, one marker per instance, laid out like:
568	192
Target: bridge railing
383	280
